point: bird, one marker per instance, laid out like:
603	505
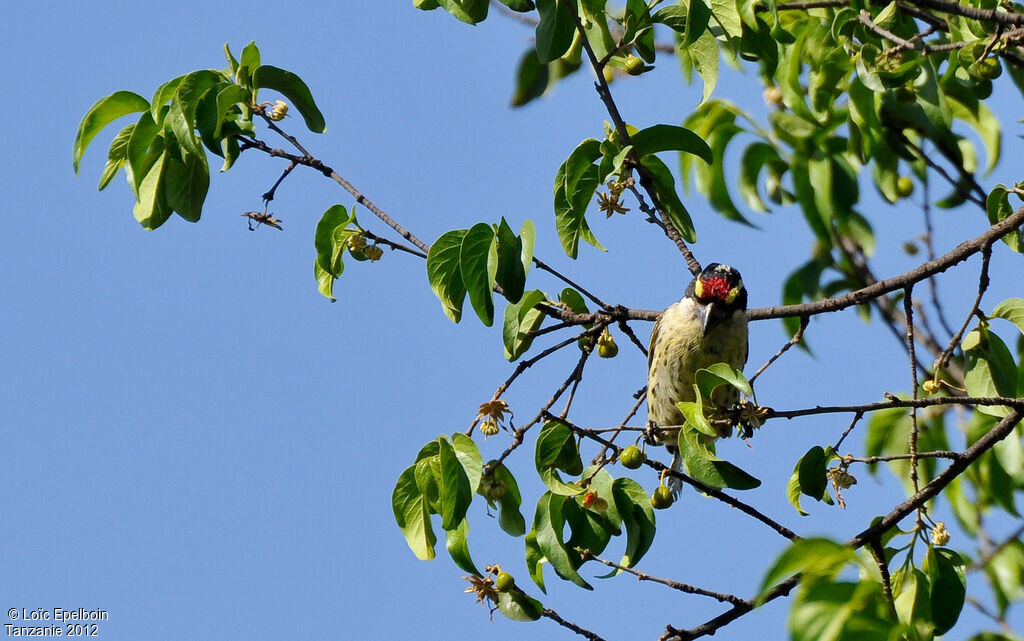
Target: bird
708	326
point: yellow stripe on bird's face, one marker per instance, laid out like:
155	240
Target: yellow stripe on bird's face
733	293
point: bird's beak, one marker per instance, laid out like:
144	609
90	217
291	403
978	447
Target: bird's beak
707	314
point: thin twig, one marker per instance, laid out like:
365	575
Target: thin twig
958	254
544	266
929	248
983	282
675	585
519	433
856	419
997	433
583	632
269	195
605	94
615	432
393	244
987	15
707	489
870	460
908	309
528	363
1000	431
309	161
898	402
878	552
797	337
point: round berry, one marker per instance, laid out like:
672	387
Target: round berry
662	498
504	582
632	457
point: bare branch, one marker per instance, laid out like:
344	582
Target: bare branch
675	585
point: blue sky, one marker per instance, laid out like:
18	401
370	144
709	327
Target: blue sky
199	443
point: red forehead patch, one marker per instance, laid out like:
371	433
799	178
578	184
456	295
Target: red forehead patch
716	288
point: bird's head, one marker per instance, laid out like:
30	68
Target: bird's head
719	293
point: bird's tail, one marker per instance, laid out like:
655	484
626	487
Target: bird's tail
672	482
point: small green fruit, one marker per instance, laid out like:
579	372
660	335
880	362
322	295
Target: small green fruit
662	498
989	68
904	187
634	65
504	582
607	350
632	458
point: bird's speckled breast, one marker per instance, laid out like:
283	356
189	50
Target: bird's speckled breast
682	349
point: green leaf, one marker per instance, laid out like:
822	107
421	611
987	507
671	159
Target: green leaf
589	530
510	519
532	78
912	603
703	465
227	99
793	492
1012	309
535	559
324	281
457	546
665	187
517	605
725	13
511	273
697	20
145	145
456	492
811	472
412	516
660	138
557	449
152	210
555	29
811	557
527	234
187	96
575	184
840	611
704	53
478	262
634	507
330	261
248	63
521	320
295	90
521	6
672	16
163	94
991	370
186	185
469	458
998	208
116	155
754	159
468	11
444	273
574	300
105	111
947	575
1005	572
711	378
548	524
